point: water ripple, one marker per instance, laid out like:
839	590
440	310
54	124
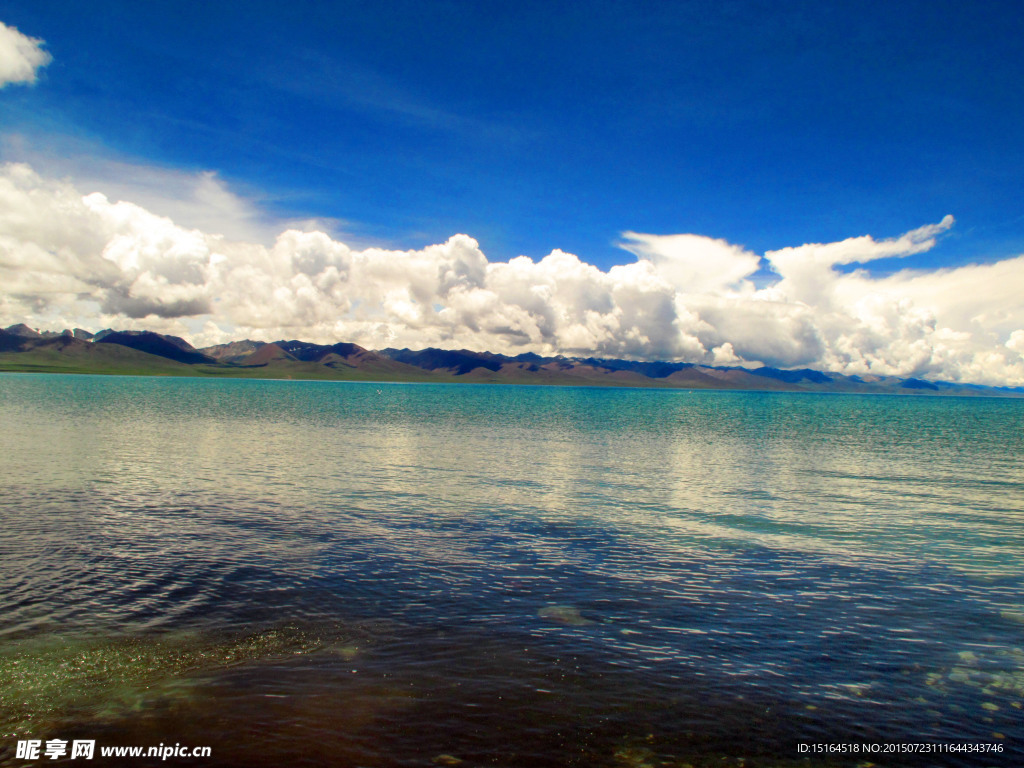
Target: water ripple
600	577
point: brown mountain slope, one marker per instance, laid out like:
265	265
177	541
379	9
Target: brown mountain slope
66	354
232	352
264	355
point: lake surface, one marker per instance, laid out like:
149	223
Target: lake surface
324	573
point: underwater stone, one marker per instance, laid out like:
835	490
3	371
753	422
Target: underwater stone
564	614
959	675
446	760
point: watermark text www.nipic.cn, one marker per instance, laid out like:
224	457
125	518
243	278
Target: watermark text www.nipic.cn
37	749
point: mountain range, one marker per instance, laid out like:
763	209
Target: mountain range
146	352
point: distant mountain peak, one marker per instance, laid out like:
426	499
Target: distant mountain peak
264	355
170	347
23	330
233	351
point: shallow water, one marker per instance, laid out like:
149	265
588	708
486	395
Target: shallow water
323	573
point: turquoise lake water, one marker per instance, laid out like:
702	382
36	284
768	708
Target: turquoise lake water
324	573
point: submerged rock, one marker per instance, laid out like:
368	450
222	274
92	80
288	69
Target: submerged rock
635	757
446	760
103	678
564	614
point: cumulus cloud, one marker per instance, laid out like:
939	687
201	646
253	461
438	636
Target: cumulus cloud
68	258
20	56
192	199
692	263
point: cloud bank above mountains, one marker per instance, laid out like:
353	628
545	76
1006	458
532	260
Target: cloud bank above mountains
71	257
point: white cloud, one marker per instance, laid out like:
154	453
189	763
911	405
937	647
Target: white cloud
198	200
71	258
20	56
192	199
693	263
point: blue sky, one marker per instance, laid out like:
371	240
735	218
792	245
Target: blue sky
720	182
534	126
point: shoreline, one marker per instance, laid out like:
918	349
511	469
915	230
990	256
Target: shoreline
242	374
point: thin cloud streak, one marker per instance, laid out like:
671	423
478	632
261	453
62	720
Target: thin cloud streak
333	85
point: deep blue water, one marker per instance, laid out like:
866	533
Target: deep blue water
323	573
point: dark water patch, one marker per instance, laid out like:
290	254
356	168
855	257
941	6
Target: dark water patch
412	697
